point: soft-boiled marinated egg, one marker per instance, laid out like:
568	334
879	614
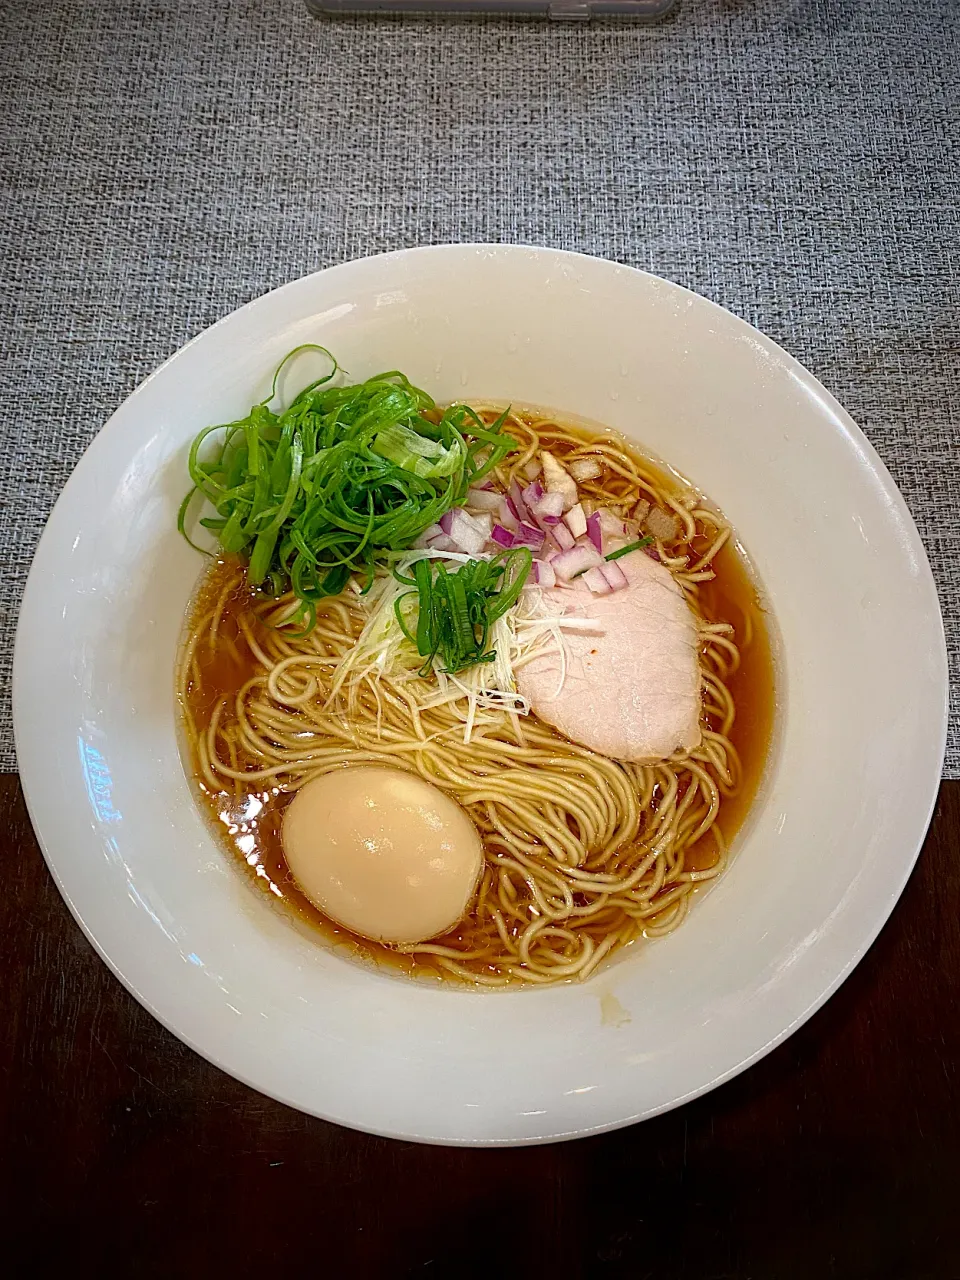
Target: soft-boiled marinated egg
383	853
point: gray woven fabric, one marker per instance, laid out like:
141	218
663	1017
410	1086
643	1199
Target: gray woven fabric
164	161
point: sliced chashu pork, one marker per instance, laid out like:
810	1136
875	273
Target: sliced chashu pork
632	687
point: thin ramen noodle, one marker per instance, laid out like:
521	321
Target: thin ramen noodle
582	854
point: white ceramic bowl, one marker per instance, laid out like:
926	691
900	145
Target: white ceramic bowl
827	850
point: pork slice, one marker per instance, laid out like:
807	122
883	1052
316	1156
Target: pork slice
632	685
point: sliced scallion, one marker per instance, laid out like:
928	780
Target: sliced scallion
631	546
317	491
455	608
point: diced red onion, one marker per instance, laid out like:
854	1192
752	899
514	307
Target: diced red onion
550	508
508	515
542	515
442	543
528	536
614	575
593	531
576	560
564	538
501	536
576	521
542	574
532	469
471	543
532	494
465	532
426	538
596	580
516	497
483	499
460	525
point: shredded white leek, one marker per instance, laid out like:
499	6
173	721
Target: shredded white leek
527	630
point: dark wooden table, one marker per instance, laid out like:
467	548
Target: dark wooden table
124	1154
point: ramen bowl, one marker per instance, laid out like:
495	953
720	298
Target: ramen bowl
817	867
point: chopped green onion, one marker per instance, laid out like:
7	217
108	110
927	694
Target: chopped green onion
456	608
424	457
631	546
341	477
